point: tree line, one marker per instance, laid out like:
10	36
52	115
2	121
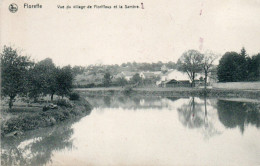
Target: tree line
23	77
232	67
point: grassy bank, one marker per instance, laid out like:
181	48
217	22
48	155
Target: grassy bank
23	120
173	92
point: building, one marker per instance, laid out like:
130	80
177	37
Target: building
175	83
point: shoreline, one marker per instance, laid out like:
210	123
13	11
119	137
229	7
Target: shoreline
16	126
173	92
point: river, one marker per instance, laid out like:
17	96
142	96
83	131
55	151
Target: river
155	131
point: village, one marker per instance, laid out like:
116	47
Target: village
164	77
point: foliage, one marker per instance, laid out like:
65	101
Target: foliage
64	78
232	67
208	60
121	81
191	62
107	79
64	103
74	96
14	70
136	79
254	68
45	72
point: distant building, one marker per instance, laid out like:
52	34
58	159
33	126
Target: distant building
175	83
148	75
125	74
173	74
175	78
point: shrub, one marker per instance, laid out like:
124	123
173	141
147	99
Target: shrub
62	102
74	96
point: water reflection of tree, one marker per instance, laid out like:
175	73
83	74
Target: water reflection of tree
126	102
195	115
238	114
190	114
39	150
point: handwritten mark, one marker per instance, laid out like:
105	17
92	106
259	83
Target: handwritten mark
201	40
142	4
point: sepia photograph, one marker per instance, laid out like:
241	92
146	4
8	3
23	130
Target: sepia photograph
130	82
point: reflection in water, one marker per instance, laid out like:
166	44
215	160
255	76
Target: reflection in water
107	100
191	114
171	124
194	115
127	102
36	147
238	114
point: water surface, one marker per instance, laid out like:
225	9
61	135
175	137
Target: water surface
146	131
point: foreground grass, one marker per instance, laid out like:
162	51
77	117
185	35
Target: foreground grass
20	121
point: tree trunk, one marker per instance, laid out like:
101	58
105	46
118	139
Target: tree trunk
205	80
11	101
193	80
52	96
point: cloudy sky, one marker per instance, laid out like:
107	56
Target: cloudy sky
161	31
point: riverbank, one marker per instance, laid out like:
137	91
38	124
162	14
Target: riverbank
30	120
172	92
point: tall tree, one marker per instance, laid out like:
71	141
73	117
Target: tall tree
34	83
64	79
209	58
232	67
254	68
191	62
47	76
14	70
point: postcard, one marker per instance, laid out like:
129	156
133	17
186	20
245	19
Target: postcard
130	82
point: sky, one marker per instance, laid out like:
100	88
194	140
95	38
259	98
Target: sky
162	31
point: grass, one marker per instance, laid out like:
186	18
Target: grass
238	85
20	119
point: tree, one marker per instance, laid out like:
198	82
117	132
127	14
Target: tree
107	79
64	79
136	79
232	67
14	73
121	81
254	68
191	62
208	60
47	71
34	83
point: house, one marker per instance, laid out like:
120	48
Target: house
173	78
175	83
125	74
173	74
148	75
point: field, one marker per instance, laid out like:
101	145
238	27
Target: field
238	85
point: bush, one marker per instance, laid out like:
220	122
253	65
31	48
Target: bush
74	96
62	102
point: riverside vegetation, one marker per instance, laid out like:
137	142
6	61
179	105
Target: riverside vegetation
24	82
22	78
